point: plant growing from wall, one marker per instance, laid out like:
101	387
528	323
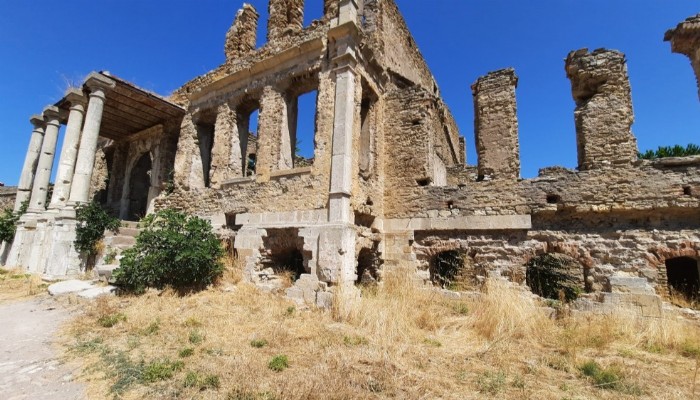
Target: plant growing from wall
92	221
671	151
8	222
554	276
173	249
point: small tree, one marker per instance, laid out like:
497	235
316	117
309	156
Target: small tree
8	222
671	151
173	249
93	221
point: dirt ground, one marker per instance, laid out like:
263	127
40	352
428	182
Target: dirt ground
29	367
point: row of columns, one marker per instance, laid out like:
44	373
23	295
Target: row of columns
77	157
44	239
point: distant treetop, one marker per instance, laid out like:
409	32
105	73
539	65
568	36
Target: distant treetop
671	151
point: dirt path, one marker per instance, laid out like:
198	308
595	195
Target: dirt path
29	368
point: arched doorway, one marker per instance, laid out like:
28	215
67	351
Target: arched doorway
139	186
683	275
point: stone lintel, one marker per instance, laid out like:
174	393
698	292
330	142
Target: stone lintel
284	219
465	223
287	173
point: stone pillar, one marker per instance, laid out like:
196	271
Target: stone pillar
285	17
604	116
26	180
685	39
241	38
496	125
69	151
272	121
37	202
226	159
98	86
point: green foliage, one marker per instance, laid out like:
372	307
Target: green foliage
278	363
670	151
196	337
161	370
193	379
550	276
93	221
258	343
186	352
8	222
108	321
491	383
608	378
173	249
446	269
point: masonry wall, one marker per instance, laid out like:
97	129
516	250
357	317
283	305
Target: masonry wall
601	89
7	197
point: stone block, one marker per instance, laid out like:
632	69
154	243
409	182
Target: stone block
68	287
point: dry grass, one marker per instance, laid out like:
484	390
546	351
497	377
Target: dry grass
399	340
16	284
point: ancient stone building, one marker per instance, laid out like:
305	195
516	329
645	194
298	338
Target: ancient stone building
388	183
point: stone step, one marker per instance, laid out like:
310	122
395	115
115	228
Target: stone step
104	272
117	241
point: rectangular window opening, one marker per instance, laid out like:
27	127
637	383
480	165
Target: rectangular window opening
248	135
205	136
304	122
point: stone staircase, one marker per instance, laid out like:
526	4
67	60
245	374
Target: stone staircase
114	246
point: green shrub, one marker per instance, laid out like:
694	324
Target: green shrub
196	337
161	370
555	276
670	151
93	221
193	379
173	249
278	363
186	352
8	223
108	321
258	343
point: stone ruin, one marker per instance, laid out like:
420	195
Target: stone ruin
388	185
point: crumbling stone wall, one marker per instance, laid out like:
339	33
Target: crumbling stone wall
285	17
496	125
7	197
600	86
685	39
241	38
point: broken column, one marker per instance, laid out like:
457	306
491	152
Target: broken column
26	180
241	38
37	202
685	39
285	17
330	8
69	151
604	116
496	125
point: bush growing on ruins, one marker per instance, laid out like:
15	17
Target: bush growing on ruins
93	221
8	223
554	276
174	249
671	151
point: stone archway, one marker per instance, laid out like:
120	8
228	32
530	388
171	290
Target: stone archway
139	188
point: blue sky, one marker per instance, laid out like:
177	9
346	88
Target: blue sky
159	45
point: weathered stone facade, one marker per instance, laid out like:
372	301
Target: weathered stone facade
388	183
7	197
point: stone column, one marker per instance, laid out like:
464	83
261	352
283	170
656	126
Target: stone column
26	180
272	121
685	39
37	202
69	151
496	125
604	116
80	188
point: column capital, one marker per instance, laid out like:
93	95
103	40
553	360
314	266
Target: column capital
98	84
37	121
52	115
76	98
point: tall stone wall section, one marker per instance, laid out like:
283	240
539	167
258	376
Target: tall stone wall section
496	125
285	17
604	116
241	38
7	197
685	39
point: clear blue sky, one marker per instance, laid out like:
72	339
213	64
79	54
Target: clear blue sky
159	45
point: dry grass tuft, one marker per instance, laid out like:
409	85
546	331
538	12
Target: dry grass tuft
16	284
397	340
